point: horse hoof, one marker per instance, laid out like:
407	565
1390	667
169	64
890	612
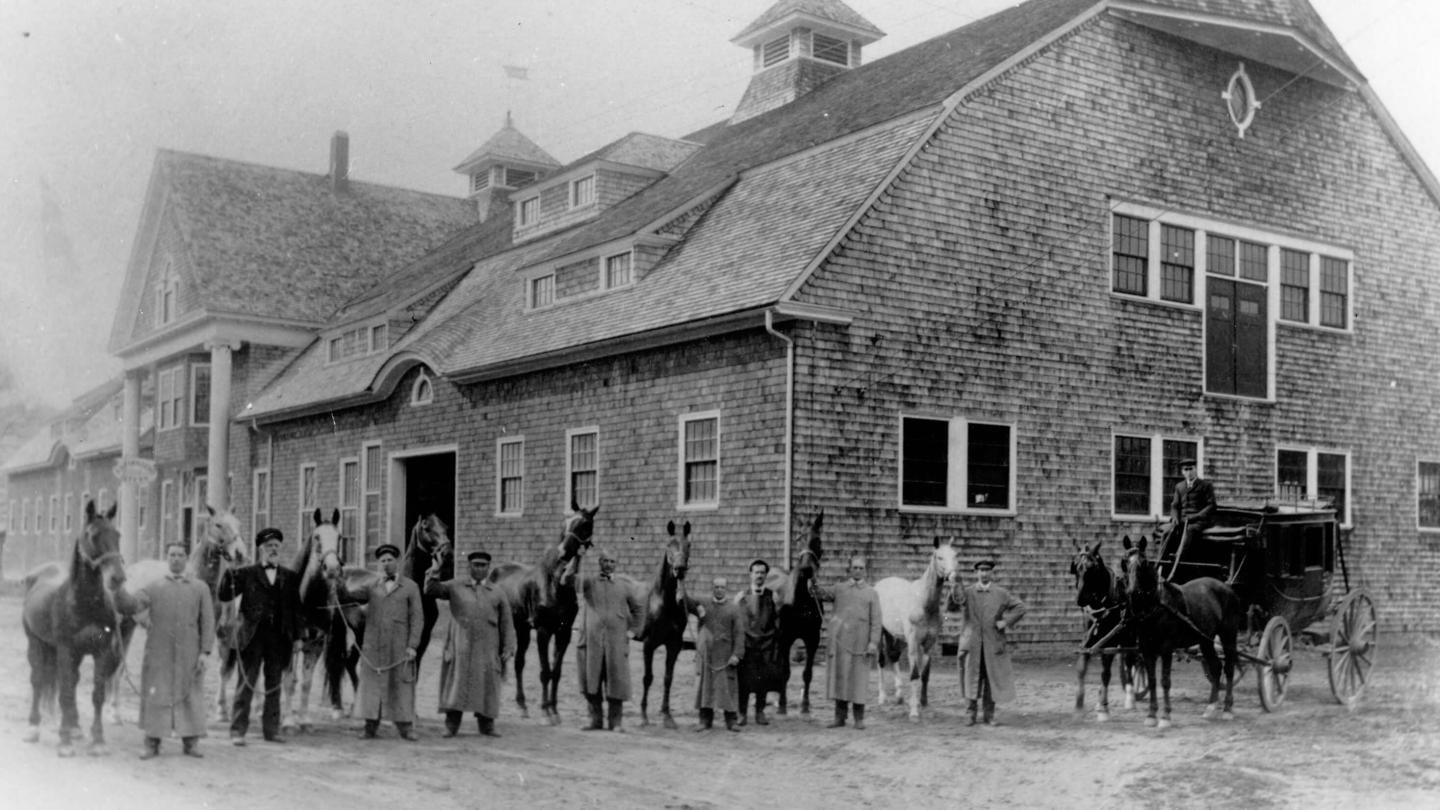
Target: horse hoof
1102	717
1209	713
670	723
1227	715
524	713
781	710
336	715
65	751
31	735
98	750
1150	722
1163	724
914	717
554	719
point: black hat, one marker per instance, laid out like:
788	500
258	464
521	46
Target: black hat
1187	462
386	548
984	562
267	535
477	556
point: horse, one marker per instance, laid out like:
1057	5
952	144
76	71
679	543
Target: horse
667	612
69	615
1099	591
910	613
1167	617
798	605
542	597
220	548
429	542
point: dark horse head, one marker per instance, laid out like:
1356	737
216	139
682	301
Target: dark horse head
1142	577
677	551
96	569
575	539
1096	585
807	561
429	545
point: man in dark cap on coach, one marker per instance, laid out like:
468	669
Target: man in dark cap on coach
480	644
1191	510
269	597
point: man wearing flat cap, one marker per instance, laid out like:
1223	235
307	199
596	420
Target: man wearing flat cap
393	621
989	611
269	595
1191	510
479	645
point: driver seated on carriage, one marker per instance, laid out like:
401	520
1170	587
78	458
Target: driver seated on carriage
1192	509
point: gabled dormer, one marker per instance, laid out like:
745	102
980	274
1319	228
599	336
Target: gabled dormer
507	162
596	182
799	45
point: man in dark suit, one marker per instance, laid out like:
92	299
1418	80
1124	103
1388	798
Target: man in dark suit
1191	510
269	623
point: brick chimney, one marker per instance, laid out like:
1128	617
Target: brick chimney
339	161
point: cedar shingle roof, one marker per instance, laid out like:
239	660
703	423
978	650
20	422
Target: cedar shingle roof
824	9
281	244
508	144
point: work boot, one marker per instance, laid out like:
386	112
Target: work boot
597	723
707	720
371	727
970	713
841	708
744	707
859	717
407	732
988	717
189	748
760	718
452	724
487	726
730	722
616	709
152	748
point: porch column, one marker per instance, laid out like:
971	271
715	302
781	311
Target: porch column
218	460
129	489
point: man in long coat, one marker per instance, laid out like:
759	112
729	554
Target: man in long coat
393	621
853	644
181	635
480	643
270	623
989	611
608	612
762	669
719	648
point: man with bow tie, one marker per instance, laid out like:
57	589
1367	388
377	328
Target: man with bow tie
177	643
480	643
989	611
269	595
394	619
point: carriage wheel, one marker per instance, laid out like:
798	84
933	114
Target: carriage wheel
1276	655
1352	647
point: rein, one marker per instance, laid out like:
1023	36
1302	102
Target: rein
334	605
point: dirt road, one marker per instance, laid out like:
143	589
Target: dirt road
1312	753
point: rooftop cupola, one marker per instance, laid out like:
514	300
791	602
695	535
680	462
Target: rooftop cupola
798	46
506	162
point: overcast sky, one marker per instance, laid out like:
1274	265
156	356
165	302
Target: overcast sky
89	90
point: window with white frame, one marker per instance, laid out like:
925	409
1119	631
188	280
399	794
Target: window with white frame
167	512
1146	469
68	521
379	337
617	270
309	497
1313	474
54	513
542	291
423	391
167	295
529	211
582	191
1427	492
25	515
373	472
510	475
700	459
583	466
169	396
957	464
200	394
260	498
349	508
199	515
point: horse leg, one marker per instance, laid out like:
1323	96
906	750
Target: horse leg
1166	659
42	681
925	682
914	651
228	659
67	665
648	653
105	666
522	645
1082	664
562	642
784	653
542	652
1228	641
1127	680
812	646
1103	713
672	652
1211	663
1154	693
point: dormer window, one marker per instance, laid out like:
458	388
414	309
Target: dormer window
423	393
617	270
542	291
582	192
358	342
529	211
830	49
775	51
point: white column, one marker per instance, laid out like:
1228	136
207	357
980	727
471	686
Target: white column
218	460
129	494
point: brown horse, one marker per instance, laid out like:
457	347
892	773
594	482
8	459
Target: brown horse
542	597
667	612
1168	617
798	603
1100	592
429	542
70	615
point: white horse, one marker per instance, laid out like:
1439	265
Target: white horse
910	611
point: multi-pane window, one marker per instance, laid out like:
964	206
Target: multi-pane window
260	499
199	515
379	338
1254	262
54	513
1295	286
68	522
200	394
374	475
1132	254
167	512
309	499
1220	255
957	464
349	507
582	191
775	51
700	459
1334	292
584	466
529	211
1314	475
830	49
542	291
510	475
617	270
1428	493
1146	470
1177	265
25	515
169	395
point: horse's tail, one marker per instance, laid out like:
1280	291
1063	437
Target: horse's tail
337	645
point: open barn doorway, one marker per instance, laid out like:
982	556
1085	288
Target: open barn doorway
422	482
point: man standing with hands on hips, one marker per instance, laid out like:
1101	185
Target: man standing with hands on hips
989	611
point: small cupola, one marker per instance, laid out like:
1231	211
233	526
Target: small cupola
798	46
506	162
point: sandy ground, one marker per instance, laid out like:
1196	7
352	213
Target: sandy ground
1312	753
